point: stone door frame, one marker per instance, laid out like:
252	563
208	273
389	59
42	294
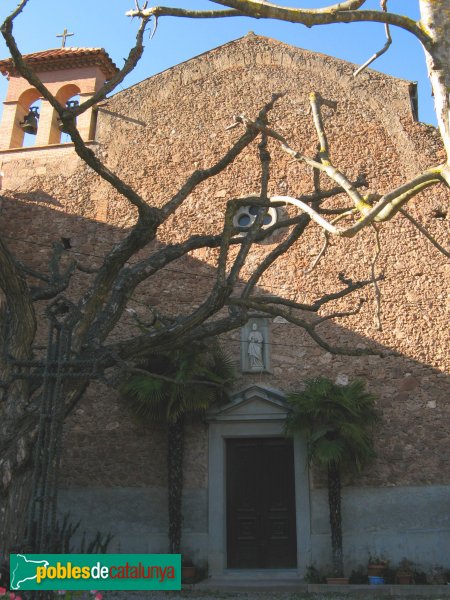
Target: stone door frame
253	412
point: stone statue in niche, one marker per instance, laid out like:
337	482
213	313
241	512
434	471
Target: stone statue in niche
255	348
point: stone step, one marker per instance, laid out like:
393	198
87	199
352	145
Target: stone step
290	583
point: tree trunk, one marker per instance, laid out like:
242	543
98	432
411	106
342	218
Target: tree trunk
16	470
14	512
435	19
17	330
17	457
334	503
175	483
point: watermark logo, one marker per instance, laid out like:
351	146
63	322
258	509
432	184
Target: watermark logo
25	570
99	571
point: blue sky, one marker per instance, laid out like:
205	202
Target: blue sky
102	23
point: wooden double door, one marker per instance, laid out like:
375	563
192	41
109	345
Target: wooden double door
261	524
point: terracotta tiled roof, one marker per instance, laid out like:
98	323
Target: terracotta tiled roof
64	58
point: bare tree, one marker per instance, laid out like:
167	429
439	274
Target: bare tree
226	306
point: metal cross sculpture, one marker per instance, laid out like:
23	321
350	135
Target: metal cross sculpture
58	367
64	35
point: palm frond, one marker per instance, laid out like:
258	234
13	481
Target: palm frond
144	397
195	377
325	451
337	420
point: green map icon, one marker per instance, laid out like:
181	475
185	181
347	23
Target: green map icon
23	569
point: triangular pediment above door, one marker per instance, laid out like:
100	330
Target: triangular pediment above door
252	403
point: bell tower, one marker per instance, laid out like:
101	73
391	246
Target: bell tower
68	73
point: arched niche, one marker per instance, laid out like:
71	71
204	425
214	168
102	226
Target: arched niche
27	99
65	94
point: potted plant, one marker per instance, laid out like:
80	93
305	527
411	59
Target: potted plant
376	566
188	571
337	580
358	576
337	421
377	569
405	572
437	575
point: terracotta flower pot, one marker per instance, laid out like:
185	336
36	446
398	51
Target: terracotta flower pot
337	580
188	574
376	570
403	578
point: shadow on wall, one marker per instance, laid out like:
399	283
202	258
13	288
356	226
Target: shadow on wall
114	472
38	196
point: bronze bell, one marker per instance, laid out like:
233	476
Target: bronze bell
30	122
69	104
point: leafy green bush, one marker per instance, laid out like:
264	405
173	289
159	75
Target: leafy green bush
359	575
313	575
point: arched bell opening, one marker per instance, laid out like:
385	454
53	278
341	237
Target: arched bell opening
68	95
26	119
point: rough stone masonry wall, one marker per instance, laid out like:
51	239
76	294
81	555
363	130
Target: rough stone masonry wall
154	134
177	121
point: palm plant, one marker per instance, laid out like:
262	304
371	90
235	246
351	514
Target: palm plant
338	424
168	388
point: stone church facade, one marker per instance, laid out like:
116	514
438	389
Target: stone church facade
154	134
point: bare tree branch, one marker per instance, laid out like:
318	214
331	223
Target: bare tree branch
167	11
57	282
215	14
261	9
374	278
19	305
200	175
130	277
149	213
435	22
383	50
274	255
387	206
129	369
309	327
322	251
324	166
340	315
68	115
265	158
32	272
425	232
144	231
178	333
316	101
255	302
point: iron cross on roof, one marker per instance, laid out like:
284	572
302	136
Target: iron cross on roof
64	35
